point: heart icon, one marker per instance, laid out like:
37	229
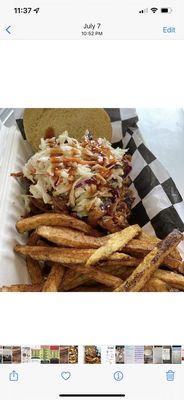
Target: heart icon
65	375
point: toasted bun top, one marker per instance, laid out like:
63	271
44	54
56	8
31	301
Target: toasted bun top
38	121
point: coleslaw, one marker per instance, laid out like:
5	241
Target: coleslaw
89	176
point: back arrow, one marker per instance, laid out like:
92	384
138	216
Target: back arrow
8	29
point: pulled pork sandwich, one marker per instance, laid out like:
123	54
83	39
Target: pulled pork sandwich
88	179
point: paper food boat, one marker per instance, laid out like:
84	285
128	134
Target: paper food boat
158	206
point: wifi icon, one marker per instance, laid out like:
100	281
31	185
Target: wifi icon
154	10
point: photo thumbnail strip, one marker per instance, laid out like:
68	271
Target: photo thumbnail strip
92	354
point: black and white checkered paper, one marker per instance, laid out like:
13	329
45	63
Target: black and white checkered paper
158	205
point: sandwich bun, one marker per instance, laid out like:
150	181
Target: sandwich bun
39	121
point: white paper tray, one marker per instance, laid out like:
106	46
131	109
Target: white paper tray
12	267
14	152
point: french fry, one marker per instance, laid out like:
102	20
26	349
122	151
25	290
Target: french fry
156	285
153	239
92	288
170	278
140	248
21	288
97	275
122	273
150	264
54	279
116	242
72	279
53	219
55	254
33	266
70	237
174	264
61	255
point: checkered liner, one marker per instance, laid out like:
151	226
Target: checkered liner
158	205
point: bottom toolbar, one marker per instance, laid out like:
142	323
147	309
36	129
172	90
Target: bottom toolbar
134	382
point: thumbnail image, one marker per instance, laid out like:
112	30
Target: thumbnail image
68	354
36	354
16	354
139	354
1	354
64	356
129	357
182	355
92	355
7	355
54	354
119	354
26	354
110	355
148	354
73	354
81	175
176	354
157	355
45	354
167	355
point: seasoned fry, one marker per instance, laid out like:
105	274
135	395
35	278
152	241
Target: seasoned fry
122	273
116	242
113	261
92	288
53	219
156	285
54	279
153	239
55	254
72	279
97	275
174	264
61	255
21	288
172	279
150	264
70	237
33	266
140	248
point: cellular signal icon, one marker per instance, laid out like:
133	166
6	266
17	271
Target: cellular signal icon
154	10
145	11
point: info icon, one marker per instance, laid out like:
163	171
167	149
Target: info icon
118	376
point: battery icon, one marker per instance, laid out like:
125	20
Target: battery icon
167	10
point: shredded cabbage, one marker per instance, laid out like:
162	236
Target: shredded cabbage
84	173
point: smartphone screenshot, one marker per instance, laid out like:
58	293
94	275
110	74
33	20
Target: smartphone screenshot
91	199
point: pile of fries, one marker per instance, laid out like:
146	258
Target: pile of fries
63	253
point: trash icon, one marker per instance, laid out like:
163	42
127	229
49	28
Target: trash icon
170	375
